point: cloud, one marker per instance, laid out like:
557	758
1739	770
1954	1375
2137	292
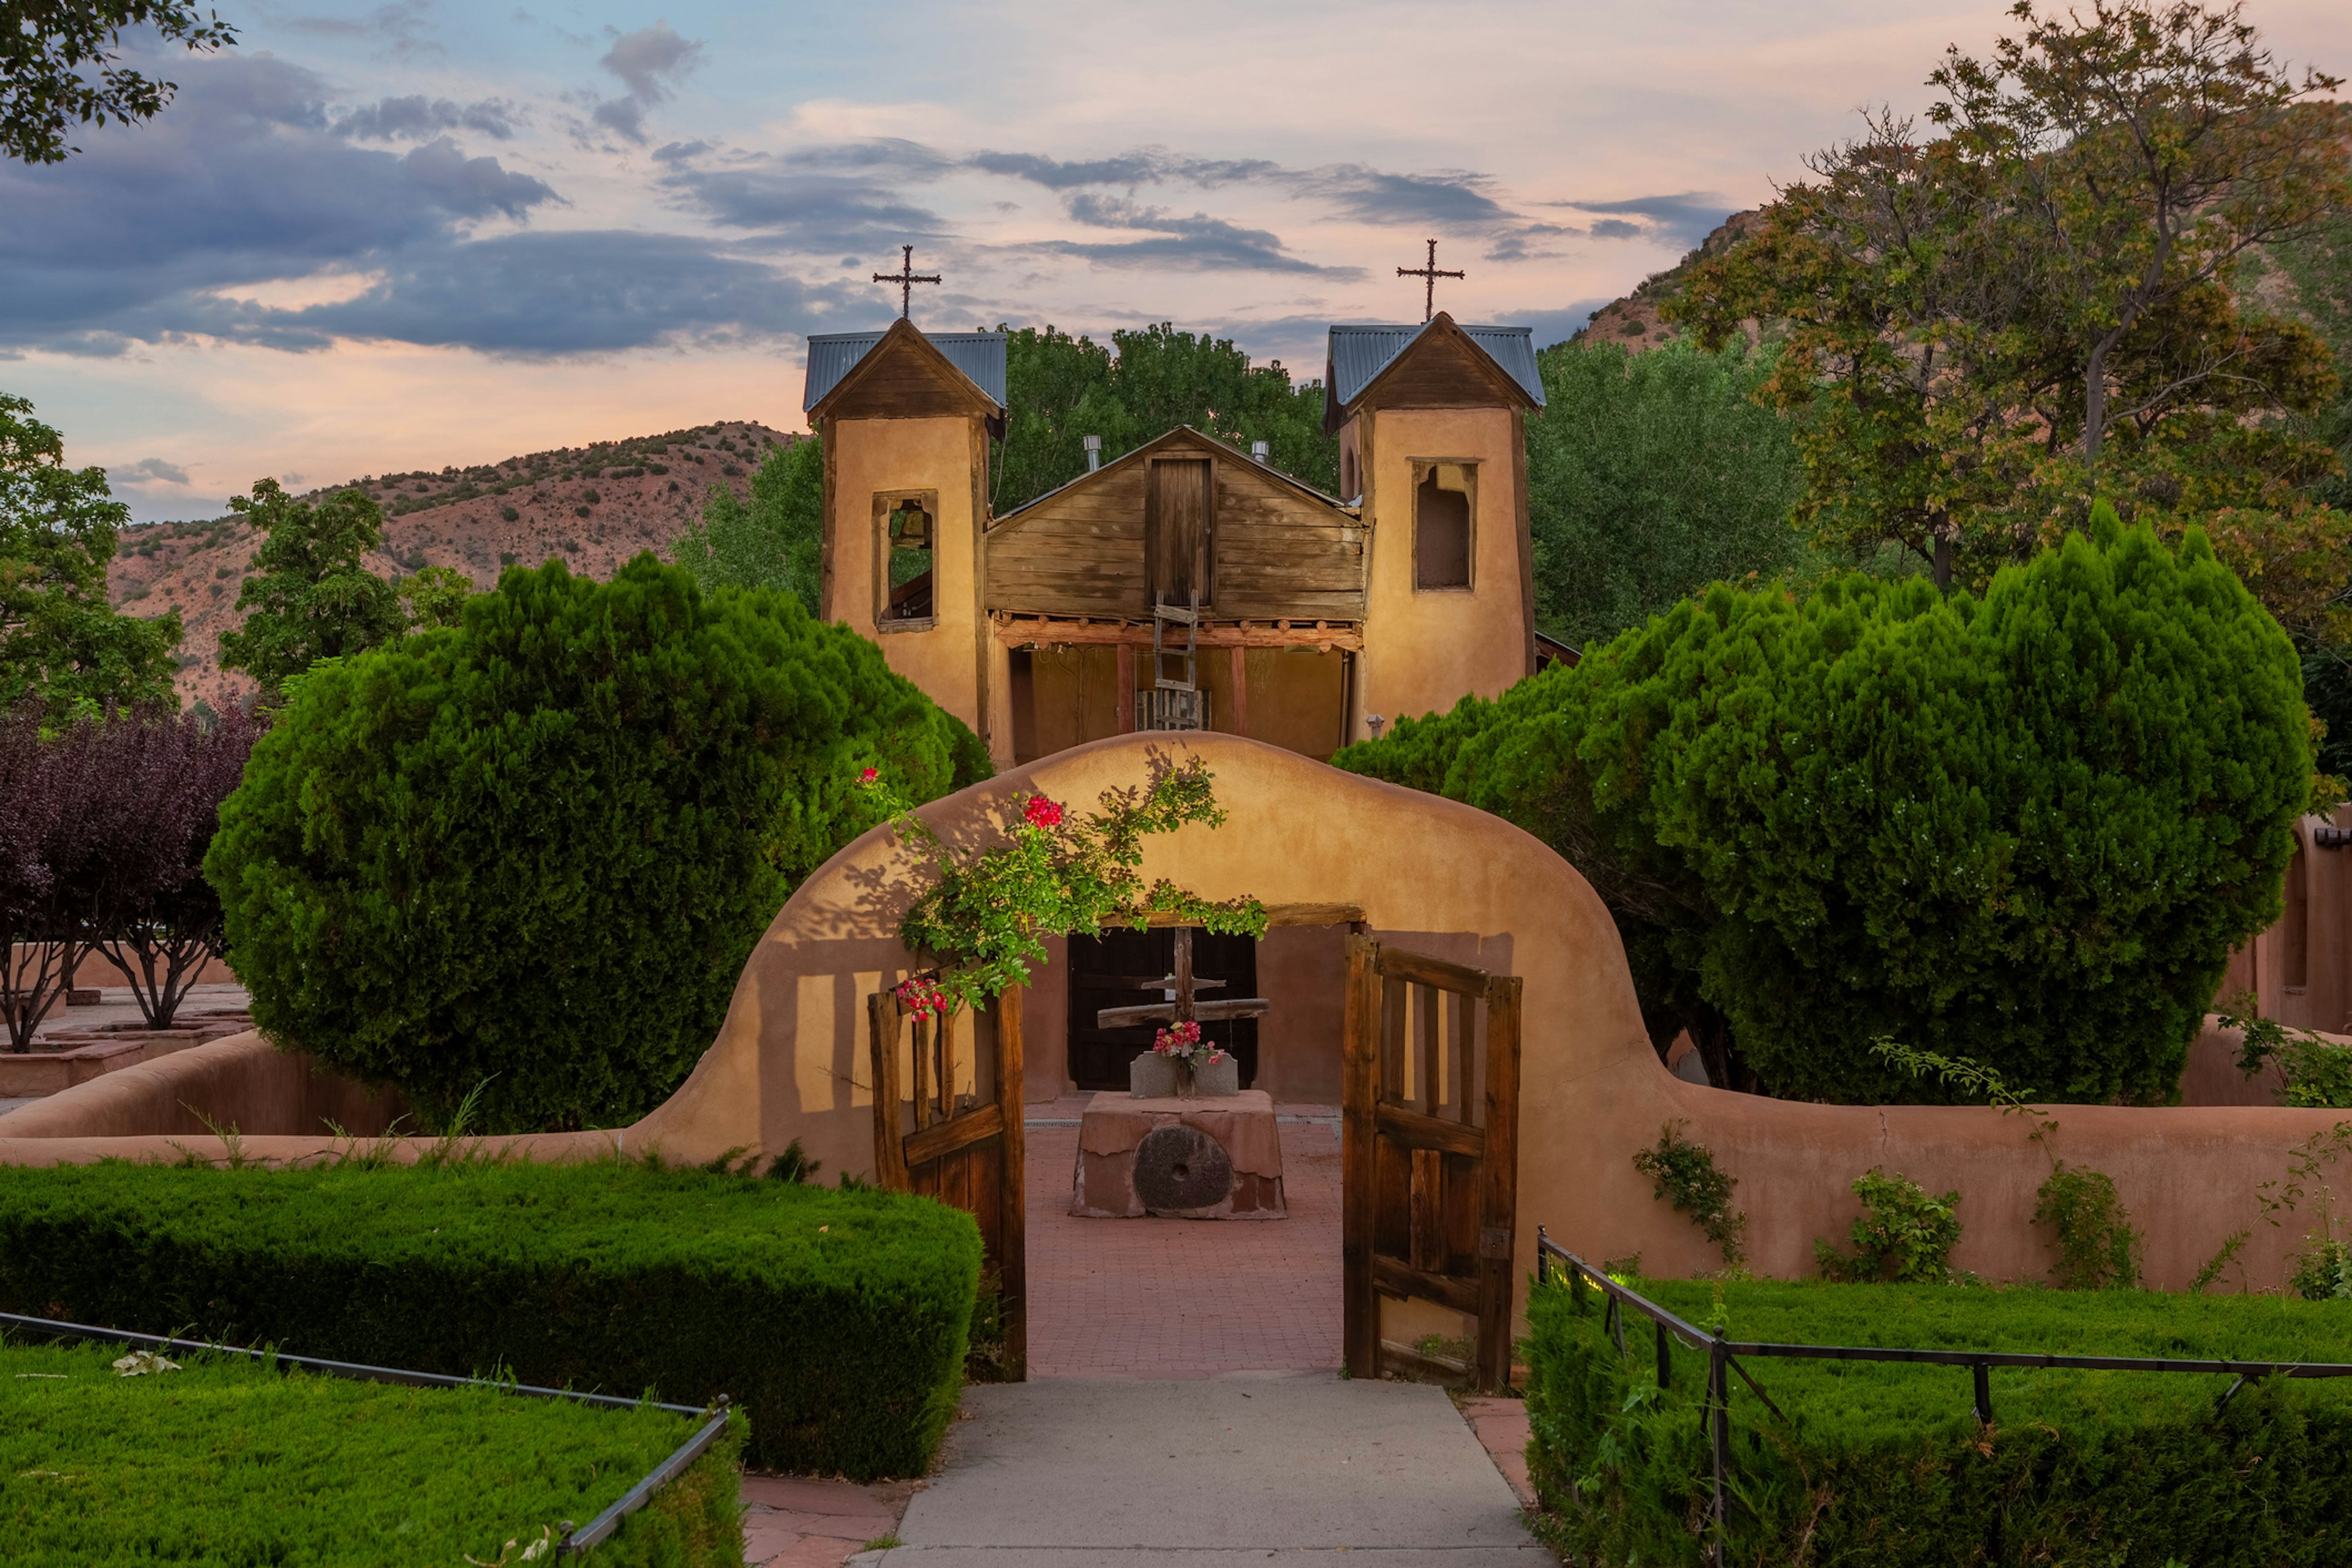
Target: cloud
538	295
1450	198
473	187
401	26
651	60
1145	166
796	209
419	119
650	63
173	230
1195	244
150	468
1681	221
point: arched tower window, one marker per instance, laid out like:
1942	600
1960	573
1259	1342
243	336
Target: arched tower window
1441	525
907	545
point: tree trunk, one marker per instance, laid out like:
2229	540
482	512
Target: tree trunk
2095	406
1943	561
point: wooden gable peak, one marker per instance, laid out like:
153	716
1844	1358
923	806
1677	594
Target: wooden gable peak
1440	335
1179	436
904	338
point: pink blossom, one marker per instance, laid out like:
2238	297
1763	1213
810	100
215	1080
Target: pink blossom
1042	812
870	775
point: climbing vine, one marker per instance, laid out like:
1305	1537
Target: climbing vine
985	920
1684	1173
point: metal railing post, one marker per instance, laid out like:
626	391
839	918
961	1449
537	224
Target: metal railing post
1984	1395
1719	1390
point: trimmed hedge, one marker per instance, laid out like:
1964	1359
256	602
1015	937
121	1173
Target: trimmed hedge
836	1320
1885	1465
227	1460
525	857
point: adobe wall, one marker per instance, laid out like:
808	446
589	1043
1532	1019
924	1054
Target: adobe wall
1424	649
1431	876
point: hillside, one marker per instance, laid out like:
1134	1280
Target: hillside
1634	320
594	506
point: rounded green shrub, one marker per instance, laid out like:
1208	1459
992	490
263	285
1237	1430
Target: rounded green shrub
533	852
2027	829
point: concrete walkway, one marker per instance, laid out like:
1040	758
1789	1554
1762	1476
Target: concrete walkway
1121	1473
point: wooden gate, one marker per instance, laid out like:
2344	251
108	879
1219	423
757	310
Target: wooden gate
963	1148
1429	1147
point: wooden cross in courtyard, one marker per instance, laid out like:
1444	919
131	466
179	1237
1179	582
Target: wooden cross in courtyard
1430	274
906	277
1184	1008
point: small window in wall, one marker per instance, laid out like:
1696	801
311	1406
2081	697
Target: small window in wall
907	539
1441	525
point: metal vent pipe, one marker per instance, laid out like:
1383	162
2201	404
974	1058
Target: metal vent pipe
1093	444
1259	451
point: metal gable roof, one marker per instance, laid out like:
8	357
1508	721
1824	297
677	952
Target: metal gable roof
832	355
1360	352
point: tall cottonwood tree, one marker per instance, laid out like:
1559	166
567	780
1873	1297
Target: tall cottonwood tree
311	595
1141	386
1988	327
775	538
62	643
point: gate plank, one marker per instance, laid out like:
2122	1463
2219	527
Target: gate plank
1012	1264
1414	1130
1420	969
1395	1277
1359	1081
942	1139
1499	1204
1428	1233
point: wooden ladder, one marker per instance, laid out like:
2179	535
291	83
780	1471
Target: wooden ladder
1176	704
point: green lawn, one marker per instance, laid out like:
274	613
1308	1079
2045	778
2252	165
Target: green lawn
229	1462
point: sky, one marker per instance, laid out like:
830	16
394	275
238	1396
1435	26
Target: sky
379	237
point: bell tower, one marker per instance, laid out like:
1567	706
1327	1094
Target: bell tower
1431	423
906	417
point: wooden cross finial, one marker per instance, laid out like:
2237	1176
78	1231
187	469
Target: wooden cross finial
906	277
1430	274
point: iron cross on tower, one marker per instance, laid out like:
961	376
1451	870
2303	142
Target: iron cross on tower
1428	272
1180	988
906	277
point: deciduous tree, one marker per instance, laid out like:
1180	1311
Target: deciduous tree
1990	327
774	539
62	643
61	62
311	595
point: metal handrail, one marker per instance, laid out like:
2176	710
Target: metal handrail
1723	1358
574	1540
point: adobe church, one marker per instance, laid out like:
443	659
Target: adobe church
1187	584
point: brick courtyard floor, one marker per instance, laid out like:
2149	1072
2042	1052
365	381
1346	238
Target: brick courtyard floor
1183	1297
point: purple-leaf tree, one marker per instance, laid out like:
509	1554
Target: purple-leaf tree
34	963
132	880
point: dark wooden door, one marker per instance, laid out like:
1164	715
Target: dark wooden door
1177	528
963	1148
1429	1147
1103	970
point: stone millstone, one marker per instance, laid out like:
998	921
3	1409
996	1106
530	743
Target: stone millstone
1180	1167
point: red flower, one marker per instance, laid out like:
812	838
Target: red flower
1042	812
870	775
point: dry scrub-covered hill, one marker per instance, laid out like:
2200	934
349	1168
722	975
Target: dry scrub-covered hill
1633	320
594	506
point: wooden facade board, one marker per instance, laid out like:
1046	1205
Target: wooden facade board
1277	551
